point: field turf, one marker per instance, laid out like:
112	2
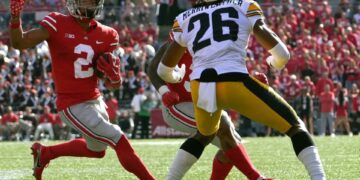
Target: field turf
273	156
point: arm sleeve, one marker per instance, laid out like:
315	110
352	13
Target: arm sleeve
177	33
51	23
253	12
114	41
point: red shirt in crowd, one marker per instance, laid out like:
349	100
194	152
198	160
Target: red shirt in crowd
321	84
327	102
292	90
355	103
341	110
9	117
47	118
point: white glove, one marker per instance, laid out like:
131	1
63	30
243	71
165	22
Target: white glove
180	71
171	74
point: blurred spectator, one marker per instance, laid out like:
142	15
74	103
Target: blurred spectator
144	115
136	107
292	90
61	130
112	107
342	103
357	15
327	102
355	109
46	121
10	123
27	123
306	108
322	82
130	85
126	122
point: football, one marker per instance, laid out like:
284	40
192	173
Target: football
97	72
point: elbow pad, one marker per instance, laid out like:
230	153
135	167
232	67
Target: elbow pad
279	56
169	74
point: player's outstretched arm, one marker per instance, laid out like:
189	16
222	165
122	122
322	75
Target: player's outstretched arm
168	97
270	41
167	69
20	39
154	77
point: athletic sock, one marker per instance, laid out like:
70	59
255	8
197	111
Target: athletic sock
189	152
308	154
130	160
311	160
76	148
220	170
241	160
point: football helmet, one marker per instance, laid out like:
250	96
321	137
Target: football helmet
195	3
87	9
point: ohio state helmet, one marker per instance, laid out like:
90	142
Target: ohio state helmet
85	8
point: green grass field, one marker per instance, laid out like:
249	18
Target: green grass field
273	156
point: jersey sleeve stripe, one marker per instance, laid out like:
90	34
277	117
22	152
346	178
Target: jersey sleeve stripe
114	44
52	19
52	26
254	14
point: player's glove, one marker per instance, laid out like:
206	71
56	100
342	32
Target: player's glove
111	86
110	67
168	97
261	77
16	6
171	74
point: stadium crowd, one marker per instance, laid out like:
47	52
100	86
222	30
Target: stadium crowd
321	80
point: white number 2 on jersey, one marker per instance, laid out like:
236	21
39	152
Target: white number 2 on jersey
81	62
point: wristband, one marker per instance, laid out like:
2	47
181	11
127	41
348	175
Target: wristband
163	89
15	25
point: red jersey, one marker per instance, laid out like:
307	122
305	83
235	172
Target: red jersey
183	87
73	51
9	117
47	118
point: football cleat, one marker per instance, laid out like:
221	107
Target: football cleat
264	178
39	162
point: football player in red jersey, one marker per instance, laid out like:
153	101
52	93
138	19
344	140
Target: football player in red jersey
178	112
75	41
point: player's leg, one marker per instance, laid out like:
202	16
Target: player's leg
181	118
230	139
209	123
83	118
90	118
250	96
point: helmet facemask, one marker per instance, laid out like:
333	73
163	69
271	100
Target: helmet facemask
85	9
